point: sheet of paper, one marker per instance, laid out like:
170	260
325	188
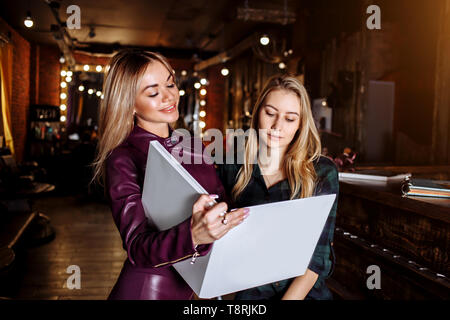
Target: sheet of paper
275	242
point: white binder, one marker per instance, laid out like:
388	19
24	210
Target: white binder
275	242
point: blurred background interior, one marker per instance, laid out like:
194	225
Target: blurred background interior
380	98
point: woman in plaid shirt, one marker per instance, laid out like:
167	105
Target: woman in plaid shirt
282	161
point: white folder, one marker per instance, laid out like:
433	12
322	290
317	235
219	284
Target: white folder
274	243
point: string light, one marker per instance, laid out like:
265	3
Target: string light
202	103
224	71
63	96
203	92
202	124
69	73
202	113
63	73
63	84
68	79
63	118
86	67
63	107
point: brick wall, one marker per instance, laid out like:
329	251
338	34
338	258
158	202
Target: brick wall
215	99
20	88
49	75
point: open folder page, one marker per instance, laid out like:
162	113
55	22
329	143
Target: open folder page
275	242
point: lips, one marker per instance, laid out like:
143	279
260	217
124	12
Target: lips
274	136
169	109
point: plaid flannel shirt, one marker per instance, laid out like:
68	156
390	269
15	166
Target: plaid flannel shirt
256	192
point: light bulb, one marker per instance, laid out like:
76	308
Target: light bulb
86	67
202	103
98	93
62	60
264	40
63	96
224	72
63	118
282	65
81	88
202	124
69	73
182	92
183	73
202	113
197	85
28	22
63	107
98	68
63	84
203	92
63	73
90	91
68	79
203	81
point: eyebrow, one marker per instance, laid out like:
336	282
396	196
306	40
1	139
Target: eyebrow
155	85
290	112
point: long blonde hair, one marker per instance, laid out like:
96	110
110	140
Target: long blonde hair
120	88
304	149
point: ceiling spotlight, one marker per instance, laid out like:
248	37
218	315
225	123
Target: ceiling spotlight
28	22
197	85
182	92
203	92
184	73
224	71
81	88
202	113
98	68
86	67
282	65
264	40
203	81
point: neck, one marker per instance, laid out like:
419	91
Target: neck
160	129
271	159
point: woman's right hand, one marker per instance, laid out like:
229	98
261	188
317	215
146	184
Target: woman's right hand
207	219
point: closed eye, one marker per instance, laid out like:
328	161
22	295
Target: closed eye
270	114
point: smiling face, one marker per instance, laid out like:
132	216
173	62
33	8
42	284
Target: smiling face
157	99
279	114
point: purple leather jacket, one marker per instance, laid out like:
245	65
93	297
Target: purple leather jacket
147	273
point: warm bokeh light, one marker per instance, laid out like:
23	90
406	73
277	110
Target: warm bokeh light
202	113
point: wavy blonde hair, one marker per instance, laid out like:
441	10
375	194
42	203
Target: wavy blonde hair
304	149
120	88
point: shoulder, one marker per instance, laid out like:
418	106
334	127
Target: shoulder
228	173
122	155
327	176
324	166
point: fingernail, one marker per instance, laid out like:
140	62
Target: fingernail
233	209
222	213
246	210
211	203
214	196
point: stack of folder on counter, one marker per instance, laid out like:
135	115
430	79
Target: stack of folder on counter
373	175
275	242
426	188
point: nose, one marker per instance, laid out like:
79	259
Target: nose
166	95
276	125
